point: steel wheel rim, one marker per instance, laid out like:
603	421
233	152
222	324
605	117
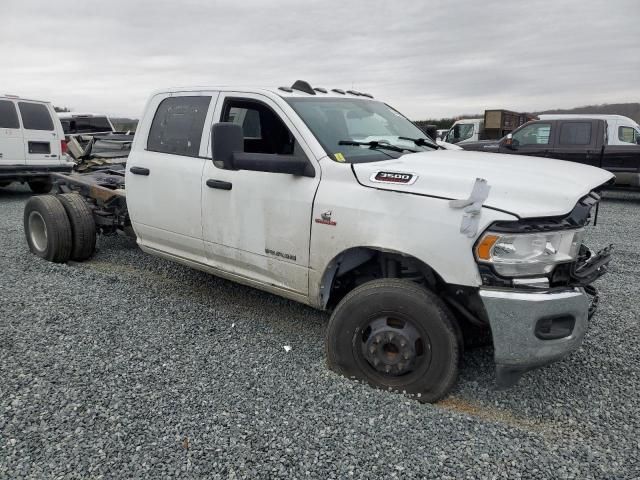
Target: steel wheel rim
401	346
37	231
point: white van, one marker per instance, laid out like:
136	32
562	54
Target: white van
32	143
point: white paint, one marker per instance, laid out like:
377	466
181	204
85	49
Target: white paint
226	232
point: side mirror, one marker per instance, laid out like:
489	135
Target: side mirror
509	142
226	139
228	147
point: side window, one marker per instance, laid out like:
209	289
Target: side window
628	135
8	115
534	134
35	116
177	126
263	130
575	133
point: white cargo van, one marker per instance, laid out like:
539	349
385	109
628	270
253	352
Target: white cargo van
32	143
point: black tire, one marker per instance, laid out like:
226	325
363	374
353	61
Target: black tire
83	227
40	186
422	353
47	228
4	184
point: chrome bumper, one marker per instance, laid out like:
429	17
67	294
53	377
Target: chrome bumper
518	341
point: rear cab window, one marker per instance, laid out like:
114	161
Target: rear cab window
35	116
178	125
86	125
8	115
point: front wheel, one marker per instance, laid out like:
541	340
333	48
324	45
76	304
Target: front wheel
395	335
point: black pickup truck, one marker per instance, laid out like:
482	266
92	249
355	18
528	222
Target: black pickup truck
611	142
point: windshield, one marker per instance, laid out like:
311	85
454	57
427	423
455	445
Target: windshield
460	132
336	120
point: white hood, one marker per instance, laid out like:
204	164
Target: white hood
526	186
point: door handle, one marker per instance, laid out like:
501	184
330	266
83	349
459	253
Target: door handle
221	184
140	171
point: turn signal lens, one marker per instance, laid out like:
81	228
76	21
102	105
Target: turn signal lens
483	250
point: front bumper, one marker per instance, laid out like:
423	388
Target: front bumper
515	318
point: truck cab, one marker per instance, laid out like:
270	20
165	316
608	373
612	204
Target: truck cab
334	199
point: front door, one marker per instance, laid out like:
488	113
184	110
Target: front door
41	139
11	139
257	225
164	175
534	139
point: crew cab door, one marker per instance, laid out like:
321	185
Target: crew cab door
257	225
11	139
622	152
41	137
534	139
164	173
579	141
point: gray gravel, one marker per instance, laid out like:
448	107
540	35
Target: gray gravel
129	366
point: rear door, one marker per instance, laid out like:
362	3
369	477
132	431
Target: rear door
11	139
164	173
579	141
41	137
622	153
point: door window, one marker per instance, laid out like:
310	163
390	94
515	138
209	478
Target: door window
35	116
628	135
575	133
177	126
534	134
8	115
263	130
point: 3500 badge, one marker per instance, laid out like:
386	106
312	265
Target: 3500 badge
394	177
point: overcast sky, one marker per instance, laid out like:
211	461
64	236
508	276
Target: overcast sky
426	58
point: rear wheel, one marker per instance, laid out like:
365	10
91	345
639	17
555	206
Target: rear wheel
47	228
40	186
83	227
395	335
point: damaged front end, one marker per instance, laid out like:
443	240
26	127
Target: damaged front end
537	287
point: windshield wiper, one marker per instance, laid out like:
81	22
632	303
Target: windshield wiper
421	142
376	144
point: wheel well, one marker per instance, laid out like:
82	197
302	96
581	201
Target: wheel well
359	265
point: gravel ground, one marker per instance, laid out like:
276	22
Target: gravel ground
130	366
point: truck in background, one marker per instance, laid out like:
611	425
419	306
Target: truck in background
493	125
611	142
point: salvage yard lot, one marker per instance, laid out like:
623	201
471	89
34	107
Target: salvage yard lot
133	366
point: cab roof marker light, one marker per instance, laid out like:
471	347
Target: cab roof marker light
337	90
303	86
320	89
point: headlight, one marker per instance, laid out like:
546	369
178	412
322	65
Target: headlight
523	254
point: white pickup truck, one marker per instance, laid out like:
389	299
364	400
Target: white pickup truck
336	200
